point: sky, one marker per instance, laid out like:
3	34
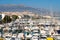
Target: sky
47	4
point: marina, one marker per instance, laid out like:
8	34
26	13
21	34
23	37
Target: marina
31	27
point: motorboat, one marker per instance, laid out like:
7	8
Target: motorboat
34	28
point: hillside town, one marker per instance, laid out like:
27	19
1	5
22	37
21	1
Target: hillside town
28	26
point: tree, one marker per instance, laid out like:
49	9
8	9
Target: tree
14	17
0	21
26	16
6	19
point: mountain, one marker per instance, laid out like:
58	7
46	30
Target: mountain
21	8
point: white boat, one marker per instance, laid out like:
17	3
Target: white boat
34	28
36	34
35	31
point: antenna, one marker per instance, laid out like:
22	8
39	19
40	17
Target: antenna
51	13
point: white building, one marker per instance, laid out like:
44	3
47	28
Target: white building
2	16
